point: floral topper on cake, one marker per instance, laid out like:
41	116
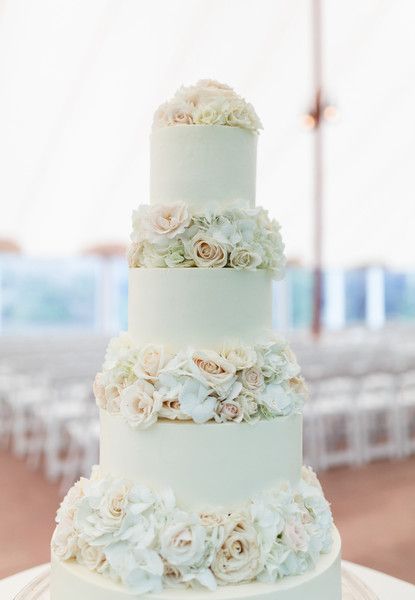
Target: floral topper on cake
141	537
172	235
238	383
207	103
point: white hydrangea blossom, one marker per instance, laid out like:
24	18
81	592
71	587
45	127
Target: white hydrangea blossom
208	102
238	383
141	538
169	236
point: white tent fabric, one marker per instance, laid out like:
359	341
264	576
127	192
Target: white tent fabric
79	82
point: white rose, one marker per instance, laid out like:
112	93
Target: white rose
71	501
151	359
212	113
245	258
252	379
64	540
91	557
249	405
182	543
206	251
239	558
243	115
242	357
230	410
167	221
113	506
212	369
138	405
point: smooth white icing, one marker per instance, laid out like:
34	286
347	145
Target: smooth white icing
210	465
70	580
203	165
198	307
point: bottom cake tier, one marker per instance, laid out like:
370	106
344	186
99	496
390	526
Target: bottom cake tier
70	580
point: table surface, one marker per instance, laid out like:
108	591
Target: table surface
386	587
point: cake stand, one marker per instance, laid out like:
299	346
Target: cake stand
353	588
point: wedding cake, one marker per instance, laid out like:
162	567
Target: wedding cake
200	490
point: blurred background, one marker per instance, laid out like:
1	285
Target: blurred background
334	85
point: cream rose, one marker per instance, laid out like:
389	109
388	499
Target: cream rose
170	405
211	368
212	113
243	115
91	557
249	404
298	385
182	544
172	576
151	359
180	113
242	357
112	395
139	406
230	410
252	379
239	558
245	258
167	221
99	390
113	505
64	540
135	254
69	504
207	252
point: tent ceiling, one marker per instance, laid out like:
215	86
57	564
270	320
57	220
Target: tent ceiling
79	82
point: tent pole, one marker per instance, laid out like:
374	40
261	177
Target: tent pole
318	168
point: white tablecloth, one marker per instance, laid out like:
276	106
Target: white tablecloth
386	587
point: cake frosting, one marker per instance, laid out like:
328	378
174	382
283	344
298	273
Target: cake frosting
226	305
200	490
181	456
203	166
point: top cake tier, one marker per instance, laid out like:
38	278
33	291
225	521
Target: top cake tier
203	149
203	166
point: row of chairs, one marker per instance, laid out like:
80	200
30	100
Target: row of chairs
355	420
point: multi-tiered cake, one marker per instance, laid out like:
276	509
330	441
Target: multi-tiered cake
200	492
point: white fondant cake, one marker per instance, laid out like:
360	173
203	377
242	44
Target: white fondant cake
203	165
200	307
200	491
270	451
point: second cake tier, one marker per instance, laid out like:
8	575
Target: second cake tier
198	307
